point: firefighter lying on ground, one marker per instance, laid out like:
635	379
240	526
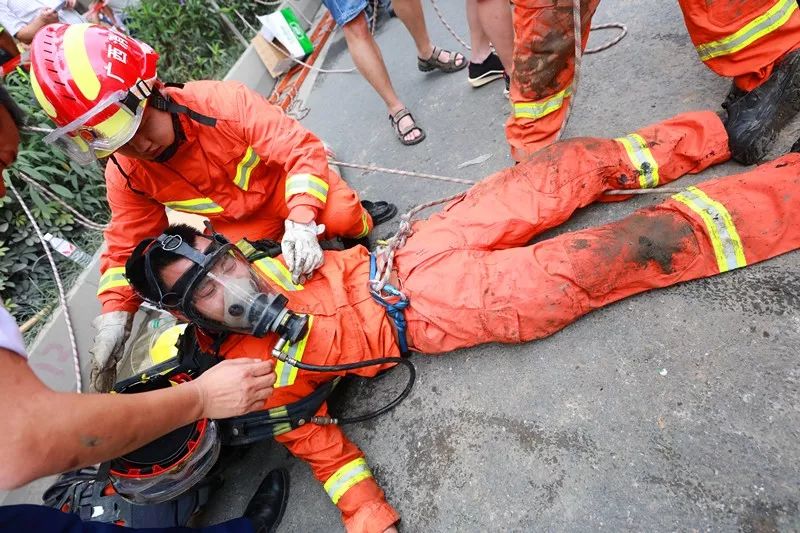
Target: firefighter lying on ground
210	148
470	276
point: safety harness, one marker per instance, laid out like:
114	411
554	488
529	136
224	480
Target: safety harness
395	303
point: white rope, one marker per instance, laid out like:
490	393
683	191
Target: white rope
605	46
446	25
79	218
373	168
384	253
61	294
576	33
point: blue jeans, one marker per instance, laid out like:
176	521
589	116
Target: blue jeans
343	11
41	519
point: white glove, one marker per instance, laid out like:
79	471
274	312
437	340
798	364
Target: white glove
113	330
301	249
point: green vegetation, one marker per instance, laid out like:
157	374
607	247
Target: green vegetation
190	36
193	43
26	281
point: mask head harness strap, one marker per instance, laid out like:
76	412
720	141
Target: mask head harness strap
202	261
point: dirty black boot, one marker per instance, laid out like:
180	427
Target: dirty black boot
755	118
379	211
267	505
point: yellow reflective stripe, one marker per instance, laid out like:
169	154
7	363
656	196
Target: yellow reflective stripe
770	21
347	476
112	278
307	184
283	427
277	272
541	108
78	63
245	247
277	412
725	240
364	226
642	159
245	168
195	205
286	373
43	101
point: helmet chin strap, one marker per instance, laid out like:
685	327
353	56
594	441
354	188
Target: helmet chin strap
164	103
179	137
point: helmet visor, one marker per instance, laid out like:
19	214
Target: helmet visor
86	139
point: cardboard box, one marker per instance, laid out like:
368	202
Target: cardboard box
280	38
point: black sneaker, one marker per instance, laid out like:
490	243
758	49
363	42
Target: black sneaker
507	88
482	73
754	118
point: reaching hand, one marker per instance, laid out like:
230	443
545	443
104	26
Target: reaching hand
235	387
47	16
301	249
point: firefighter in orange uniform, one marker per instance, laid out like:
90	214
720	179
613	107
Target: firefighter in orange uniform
753	42
468	275
210	148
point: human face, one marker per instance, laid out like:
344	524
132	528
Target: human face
153	136
9	140
209	296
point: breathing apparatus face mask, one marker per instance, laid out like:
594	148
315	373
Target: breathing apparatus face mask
221	290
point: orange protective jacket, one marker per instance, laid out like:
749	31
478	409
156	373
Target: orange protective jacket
346	325
252	170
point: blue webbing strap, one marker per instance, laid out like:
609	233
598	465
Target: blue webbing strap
394	310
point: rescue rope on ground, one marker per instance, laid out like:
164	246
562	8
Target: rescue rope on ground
59	285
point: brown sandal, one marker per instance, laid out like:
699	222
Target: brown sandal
433	62
401	133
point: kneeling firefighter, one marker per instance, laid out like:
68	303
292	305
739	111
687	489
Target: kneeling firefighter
236	298
210	148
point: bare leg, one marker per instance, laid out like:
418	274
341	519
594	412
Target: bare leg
495	20
479	41
410	13
369	61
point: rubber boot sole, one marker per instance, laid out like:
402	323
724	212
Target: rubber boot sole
790	106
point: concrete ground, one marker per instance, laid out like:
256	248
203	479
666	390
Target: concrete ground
676	410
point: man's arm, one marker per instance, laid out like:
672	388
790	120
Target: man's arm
46	432
43	18
134	217
281	139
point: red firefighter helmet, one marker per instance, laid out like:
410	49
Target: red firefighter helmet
93	82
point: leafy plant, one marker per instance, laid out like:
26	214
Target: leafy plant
190	37
193	44
26	281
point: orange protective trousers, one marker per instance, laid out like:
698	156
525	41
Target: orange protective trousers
472	278
742	39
